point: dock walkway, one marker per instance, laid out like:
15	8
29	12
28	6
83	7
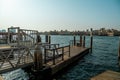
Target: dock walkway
21	62
76	53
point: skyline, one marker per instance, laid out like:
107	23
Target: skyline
46	15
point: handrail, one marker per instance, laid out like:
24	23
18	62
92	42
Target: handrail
12	58
54	56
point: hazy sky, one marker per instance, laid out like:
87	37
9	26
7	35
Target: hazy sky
45	15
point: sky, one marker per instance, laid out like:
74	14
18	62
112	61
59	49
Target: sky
46	15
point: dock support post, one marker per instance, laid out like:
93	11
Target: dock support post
84	41
38	55
74	40
80	40
119	53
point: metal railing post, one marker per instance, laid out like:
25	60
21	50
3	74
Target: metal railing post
18	43
83	41
80	40
46	38
45	56
53	56
8	38
62	53
69	50
74	40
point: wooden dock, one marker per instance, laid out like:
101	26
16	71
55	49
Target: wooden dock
57	64
26	59
107	75
76	53
29	53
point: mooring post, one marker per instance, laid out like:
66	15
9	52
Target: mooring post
119	53
49	39
83	41
49	42
18	43
91	41
38	55
8	37
80	40
46	38
74	40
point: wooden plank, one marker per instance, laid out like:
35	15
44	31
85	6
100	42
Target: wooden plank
107	75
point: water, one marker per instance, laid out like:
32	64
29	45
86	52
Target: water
103	57
18	74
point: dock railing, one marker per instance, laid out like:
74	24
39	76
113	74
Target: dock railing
18	37
54	54
80	42
77	43
16	57
3	38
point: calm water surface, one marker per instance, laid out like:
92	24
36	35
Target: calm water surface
103	57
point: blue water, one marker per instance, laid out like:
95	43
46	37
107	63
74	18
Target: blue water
104	57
